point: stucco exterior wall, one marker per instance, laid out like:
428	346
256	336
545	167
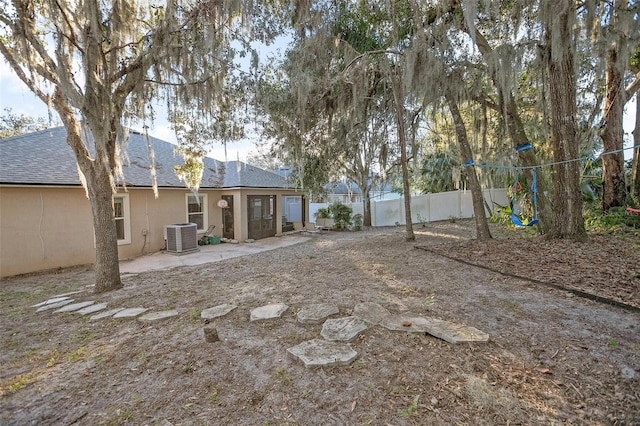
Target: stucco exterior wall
44	228
152	215
51	227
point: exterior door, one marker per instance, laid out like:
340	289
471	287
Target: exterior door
262	216
227	218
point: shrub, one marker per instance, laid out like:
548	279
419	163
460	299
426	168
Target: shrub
358	220
341	214
322	213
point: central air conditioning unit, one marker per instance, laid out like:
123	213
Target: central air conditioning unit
181	237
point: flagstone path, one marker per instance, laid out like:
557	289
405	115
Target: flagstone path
332	349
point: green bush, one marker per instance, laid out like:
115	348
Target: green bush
358	220
614	221
322	213
341	214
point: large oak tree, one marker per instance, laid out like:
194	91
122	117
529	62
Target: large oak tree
99	63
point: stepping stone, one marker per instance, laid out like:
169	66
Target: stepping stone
406	322
217	311
343	329
456	333
105	314
130	312
71	293
155	316
51	301
315	314
372	313
268	312
75	306
445	330
320	353
91	309
54	305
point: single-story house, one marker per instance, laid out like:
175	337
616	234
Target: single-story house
347	192
45	216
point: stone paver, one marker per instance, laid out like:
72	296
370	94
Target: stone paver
456	333
315	314
343	329
91	309
105	314
321	353
54	305
406	322
217	311
445	330
130	312
156	316
371	312
51	301
75	306
268	312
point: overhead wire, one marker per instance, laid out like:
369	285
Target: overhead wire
470	161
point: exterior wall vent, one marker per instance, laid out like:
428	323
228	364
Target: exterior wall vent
181	238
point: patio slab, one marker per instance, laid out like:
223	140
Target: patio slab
343	329
130	312
207	254
106	314
217	311
321	353
371	312
456	333
268	312
75	306
448	331
156	316
54	305
51	301
315	314
92	308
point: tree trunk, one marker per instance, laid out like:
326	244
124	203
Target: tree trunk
614	190
635	165
107	267
98	174
482	225
366	206
568	221
398	96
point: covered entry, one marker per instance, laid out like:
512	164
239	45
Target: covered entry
227	218
262	216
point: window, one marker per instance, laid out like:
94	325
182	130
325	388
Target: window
123	222
197	211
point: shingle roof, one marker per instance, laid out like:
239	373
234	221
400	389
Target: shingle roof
44	158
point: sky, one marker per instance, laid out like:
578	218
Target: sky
15	95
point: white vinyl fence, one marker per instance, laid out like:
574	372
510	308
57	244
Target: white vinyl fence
424	208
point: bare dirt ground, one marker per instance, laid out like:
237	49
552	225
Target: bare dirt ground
553	357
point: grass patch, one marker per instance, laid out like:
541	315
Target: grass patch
281	375
412	409
194	314
77	355
82	336
490	398
16	383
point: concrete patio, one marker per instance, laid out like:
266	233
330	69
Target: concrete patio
206	254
